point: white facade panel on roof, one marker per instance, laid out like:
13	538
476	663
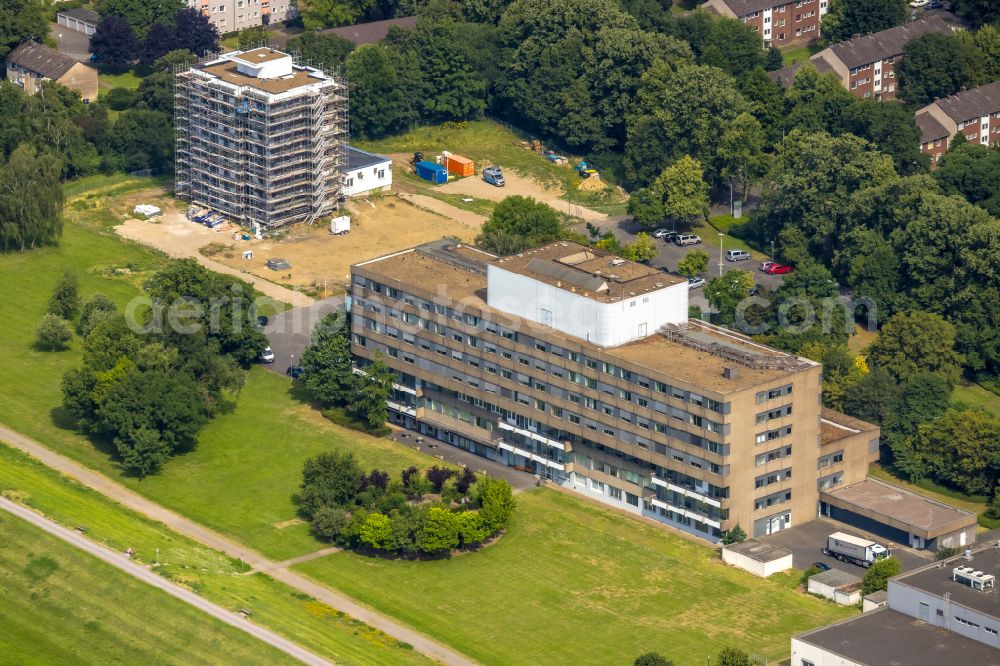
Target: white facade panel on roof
579	315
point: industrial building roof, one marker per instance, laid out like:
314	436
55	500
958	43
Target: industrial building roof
931	128
898	507
969	104
937	580
41	59
82	14
758	551
359	159
590	272
887	43
458	272
886	637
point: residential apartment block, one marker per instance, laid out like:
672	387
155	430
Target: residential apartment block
260	139
583	368
779	23
235	15
975	113
867	65
944	613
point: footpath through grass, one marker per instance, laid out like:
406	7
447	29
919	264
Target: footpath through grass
241	477
575	583
61	606
209	573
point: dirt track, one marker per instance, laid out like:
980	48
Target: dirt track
516	184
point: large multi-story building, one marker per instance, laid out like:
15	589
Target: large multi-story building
583	368
975	113
867	65
260	139
943	613
779	22
235	15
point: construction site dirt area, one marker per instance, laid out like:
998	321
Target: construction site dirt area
321	261
515	184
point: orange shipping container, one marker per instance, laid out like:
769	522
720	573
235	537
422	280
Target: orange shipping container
459	166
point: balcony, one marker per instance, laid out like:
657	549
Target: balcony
532	435
530	456
684	512
687	492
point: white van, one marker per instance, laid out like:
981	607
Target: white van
737	255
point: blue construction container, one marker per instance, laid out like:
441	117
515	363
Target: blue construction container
435	173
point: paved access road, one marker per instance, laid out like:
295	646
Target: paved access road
806	541
121	562
189	528
289	332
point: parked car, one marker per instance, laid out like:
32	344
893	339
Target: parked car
267	356
696	282
822	566
737	255
295	371
686	239
665	234
764	265
494	176
262	321
917	4
778	269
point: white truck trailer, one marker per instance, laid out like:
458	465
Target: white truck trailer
848	548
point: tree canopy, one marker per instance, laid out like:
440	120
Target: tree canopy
847	18
518	223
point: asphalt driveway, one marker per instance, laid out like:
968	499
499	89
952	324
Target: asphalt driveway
806	542
289	332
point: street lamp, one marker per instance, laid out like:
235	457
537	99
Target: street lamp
291	360
721	235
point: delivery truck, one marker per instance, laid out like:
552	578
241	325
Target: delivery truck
856	550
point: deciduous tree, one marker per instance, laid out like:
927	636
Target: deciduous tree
914	341
65	300
440	531
372	393
684	191
330	479
496	501
847	18
878	575
21	20
741	152
933	66
694	263
376	532
327	362
114	43
524	218
53	334
31	200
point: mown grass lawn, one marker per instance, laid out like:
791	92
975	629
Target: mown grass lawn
61	606
974	396
573	583
210	573
798	54
128	79
241	477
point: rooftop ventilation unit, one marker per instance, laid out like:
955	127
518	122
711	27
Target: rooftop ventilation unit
973	578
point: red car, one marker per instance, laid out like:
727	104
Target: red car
778	269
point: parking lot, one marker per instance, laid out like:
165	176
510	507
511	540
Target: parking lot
288	332
806	541
670	254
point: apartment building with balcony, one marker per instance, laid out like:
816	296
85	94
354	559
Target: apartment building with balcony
779	23
867	65
260	139
975	113
235	15
583	368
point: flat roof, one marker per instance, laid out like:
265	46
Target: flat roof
359	159
225	69
836	578
257	56
936	579
899	508
596	274
458	271
835	426
756	550
886	637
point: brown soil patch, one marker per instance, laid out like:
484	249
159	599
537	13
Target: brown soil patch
321	262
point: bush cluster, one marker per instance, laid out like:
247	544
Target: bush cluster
429	513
